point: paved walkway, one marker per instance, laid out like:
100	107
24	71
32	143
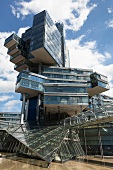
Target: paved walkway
30	164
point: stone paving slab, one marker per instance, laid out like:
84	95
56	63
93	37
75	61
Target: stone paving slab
10	164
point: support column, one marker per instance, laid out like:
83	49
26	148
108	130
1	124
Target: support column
45	112
100	143
40	65
85	142
59	114
80	108
22	110
37	109
26	113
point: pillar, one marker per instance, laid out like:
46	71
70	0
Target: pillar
22	110
26	112
37	109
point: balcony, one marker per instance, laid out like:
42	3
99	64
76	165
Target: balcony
18	56
11	40
31	76
13	49
29	87
23	65
99	84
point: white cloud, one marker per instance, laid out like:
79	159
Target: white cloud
66	10
7	73
13	10
12	105
110	23
5	98
106	70
110	10
82	55
87	56
22	30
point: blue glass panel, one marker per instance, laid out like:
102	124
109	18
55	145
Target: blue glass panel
65	100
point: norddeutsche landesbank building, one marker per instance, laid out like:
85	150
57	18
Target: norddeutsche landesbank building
56	99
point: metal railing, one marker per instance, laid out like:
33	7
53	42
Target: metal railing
95	115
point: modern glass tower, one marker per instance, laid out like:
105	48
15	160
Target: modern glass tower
50	90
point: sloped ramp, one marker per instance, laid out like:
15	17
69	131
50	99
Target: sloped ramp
44	143
70	147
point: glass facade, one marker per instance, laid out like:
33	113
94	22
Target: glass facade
61	76
30	76
69	100
23	62
13	49
92	138
64	89
66	70
24	54
10	116
56	100
52	40
99	80
30	84
12	37
99	100
45	35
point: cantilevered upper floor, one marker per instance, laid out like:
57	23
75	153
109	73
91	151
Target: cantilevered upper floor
99	84
61	87
11	40
42	51
43	43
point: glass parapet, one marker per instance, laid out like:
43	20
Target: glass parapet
25	61
103	84
30	76
15	46
13	36
56	80
66	89
71	100
18	56
99	80
61	76
82	88
30	84
24	54
65	70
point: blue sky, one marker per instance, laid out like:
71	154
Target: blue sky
88	31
